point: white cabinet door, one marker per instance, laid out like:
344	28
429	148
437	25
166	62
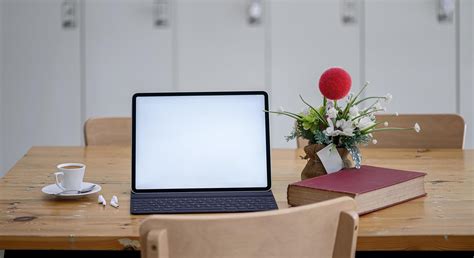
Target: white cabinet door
307	36
217	48
125	52
41	79
411	55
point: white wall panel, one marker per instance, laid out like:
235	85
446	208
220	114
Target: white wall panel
125	52
2	170
41	84
307	36
410	54
217	49
466	55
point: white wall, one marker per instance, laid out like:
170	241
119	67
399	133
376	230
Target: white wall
305	38
1	90
124	52
411	55
217	48
466	73
41	83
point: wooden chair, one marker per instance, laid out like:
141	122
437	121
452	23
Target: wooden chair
108	131
437	131
325	229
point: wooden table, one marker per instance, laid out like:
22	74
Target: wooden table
444	220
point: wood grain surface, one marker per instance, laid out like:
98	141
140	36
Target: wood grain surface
443	220
108	131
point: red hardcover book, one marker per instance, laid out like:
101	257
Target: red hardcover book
373	188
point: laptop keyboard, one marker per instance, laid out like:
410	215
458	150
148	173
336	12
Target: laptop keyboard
201	204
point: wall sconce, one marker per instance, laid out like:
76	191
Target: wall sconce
161	13
255	11
446	10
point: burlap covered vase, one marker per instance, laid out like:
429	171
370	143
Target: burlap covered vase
314	167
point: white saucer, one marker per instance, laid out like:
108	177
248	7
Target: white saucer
53	189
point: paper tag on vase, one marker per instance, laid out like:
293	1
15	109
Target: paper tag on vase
331	159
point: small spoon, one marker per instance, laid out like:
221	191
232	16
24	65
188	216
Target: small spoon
85	190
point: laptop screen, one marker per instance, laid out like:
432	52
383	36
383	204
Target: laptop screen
200	141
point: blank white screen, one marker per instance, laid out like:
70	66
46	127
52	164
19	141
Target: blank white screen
200	142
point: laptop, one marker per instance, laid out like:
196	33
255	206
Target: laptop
200	152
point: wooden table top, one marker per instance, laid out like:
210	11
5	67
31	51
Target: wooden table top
444	220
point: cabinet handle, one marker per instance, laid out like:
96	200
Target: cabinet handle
446	10
69	14
255	11
348	11
162	13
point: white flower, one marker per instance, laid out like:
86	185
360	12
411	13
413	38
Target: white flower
329	105
374	141
378	106
330	129
388	98
364	123
354	111
346	126
385	123
417	127
332	113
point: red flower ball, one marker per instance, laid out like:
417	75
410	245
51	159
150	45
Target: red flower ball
335	83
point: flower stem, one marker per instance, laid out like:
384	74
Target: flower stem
368	129
347	108
353	99
320	117
366	113
289	114
360	92
364	99
373	104
390	129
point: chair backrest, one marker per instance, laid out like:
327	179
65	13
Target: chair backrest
108	131
437	131
325	229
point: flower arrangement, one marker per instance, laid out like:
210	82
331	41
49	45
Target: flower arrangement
344	119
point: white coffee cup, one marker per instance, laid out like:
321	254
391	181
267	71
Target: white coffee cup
70	176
